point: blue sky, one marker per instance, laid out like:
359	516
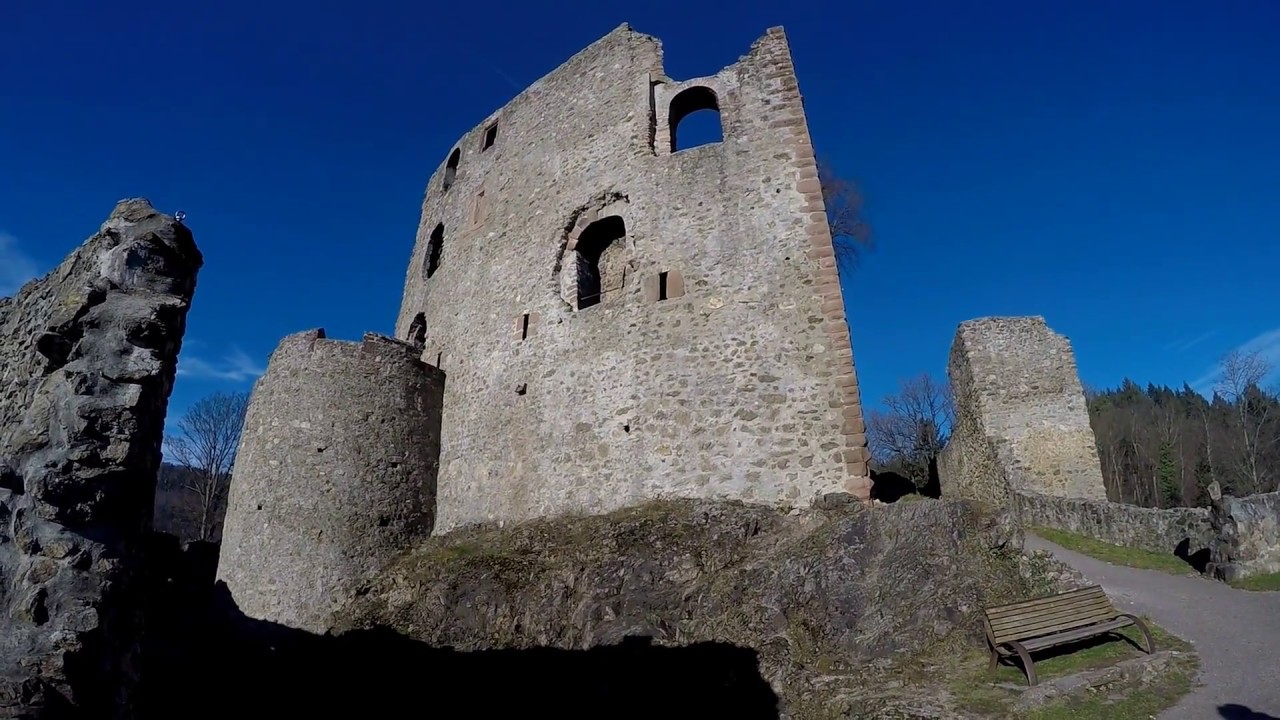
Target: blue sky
1109	165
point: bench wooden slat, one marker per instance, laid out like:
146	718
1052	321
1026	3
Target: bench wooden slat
1102	603
1072	635
1056	628
1011	624
1010	608
1031	626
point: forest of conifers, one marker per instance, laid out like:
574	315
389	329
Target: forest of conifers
1158	446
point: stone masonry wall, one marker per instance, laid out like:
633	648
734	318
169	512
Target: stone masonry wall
336	473
1159	530
739	385
1022	421
88	356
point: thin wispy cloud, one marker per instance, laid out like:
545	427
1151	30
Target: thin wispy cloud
16	268
235	366
1185	344
1267	347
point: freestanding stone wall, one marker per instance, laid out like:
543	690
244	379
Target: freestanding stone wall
1021	419
621	321
88	356
336	473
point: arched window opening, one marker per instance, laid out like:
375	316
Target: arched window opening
418	330
601	265
434	245
451	168
694	116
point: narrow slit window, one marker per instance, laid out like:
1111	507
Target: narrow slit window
451	168
435	244
524	327
662	286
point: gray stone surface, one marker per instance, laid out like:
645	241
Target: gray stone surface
88	356
1114	681
740	385
1021	418
827	597
335	474
1159	530
1248	536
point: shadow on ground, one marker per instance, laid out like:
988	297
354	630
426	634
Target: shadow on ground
1240	712
205	659
1198	559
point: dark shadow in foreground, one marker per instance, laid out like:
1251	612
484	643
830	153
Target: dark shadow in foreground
1233	711
232	666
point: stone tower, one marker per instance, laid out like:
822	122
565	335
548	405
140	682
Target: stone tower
621	321
1022	422
336	473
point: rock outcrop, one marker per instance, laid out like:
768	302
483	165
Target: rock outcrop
88	357
810	605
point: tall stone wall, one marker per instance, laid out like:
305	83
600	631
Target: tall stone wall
88	356
731	376
1021	419
335	474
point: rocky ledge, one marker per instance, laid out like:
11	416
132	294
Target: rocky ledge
673	609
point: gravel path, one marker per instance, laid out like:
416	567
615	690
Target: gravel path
1235	632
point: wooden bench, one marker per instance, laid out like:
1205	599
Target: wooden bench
1022	628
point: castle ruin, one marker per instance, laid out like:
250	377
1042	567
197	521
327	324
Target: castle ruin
619	321
1022	424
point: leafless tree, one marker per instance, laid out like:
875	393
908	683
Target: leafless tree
1242	375
913	426
850	231
207	439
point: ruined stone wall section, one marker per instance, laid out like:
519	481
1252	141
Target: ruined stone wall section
739	385
88	357
1017	389
336	474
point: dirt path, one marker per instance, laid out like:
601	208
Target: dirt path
1235	632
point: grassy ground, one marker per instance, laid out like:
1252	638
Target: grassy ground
1144	558
1269	582
1115	554
981	692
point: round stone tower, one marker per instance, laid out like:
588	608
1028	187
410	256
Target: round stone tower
336	473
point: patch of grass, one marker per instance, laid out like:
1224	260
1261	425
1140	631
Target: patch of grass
1115	554
1141	704
1269	582
979	691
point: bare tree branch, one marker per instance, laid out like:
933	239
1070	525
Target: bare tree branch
913	427
206	444
850	231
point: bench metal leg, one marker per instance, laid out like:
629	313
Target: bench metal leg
1027	663
1151	646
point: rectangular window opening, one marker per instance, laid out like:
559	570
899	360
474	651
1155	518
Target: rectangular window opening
662	286
490	135
524	327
